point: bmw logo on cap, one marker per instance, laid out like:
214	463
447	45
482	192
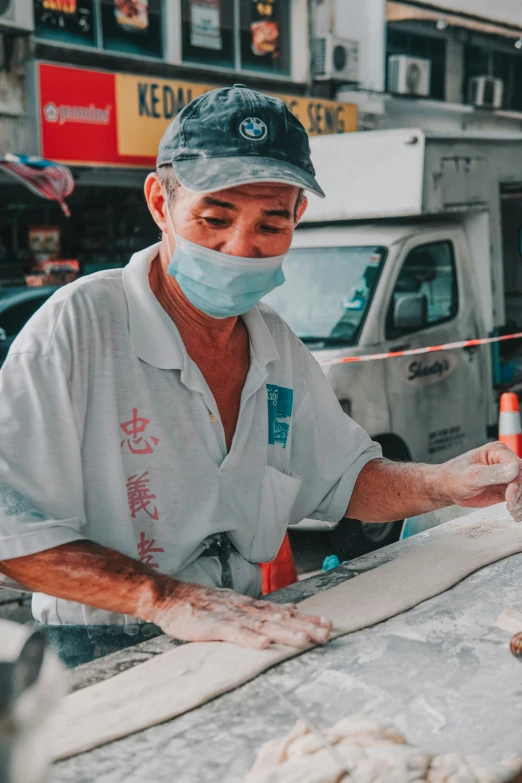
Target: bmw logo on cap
253	128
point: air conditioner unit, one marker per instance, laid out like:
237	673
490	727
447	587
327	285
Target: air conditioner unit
16	15
409	75
486	92
336	58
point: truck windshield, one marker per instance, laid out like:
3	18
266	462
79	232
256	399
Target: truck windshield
327	292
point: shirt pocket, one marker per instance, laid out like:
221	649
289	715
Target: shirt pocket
278	495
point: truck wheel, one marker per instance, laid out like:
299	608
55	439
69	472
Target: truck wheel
352	538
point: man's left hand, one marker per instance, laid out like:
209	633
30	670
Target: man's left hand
484	476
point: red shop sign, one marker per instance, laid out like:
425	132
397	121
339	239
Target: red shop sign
77	110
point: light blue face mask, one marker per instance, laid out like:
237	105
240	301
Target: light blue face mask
221	285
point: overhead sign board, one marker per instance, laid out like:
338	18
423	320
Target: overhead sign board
105	118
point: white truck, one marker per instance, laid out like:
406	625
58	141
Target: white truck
417	243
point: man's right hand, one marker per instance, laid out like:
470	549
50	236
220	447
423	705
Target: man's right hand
94	575
201	614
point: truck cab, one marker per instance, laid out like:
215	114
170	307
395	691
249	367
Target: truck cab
372	289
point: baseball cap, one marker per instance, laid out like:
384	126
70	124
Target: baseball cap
236	136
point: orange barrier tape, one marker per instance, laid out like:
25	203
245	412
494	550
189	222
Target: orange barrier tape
416	351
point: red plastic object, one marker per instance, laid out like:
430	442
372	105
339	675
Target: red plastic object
280	572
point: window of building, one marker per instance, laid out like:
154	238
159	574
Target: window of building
428	47
428	270
131	27
483	61
263	27
515	89
67	21
249	35
207	32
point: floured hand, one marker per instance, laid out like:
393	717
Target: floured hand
194	613
483	477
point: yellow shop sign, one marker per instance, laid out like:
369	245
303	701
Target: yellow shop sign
321	117
145	106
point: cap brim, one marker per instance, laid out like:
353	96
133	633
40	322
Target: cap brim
207	175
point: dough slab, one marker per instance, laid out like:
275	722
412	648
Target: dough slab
190	675
373	752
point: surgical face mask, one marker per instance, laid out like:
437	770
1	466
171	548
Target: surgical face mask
218	284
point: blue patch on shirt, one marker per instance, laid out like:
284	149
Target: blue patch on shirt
14	503
280	405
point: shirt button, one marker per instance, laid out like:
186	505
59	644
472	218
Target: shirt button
213	419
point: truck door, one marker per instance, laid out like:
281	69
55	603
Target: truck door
437	401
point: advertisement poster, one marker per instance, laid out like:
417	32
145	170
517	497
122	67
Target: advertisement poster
69	21
132	15
265	29
132	26
44	243
63	6
205	24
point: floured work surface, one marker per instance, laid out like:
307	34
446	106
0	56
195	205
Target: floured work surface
168	685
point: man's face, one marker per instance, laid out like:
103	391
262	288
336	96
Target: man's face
253	221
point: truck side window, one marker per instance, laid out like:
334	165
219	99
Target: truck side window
429	270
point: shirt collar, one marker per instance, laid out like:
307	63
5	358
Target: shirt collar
154	336
262	345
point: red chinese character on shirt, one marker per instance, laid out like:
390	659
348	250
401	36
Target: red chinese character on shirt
145	548
133	429
140	497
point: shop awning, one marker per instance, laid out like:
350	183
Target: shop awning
404	12
42	177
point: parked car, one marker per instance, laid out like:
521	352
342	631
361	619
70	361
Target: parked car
17	305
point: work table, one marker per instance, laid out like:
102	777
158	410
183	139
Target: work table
442	673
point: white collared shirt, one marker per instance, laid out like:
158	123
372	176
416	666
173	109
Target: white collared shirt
109	432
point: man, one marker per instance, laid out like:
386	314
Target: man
160	430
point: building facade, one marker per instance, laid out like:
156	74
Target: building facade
446	65
94	83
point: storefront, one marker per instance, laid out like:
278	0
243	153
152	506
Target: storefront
106	126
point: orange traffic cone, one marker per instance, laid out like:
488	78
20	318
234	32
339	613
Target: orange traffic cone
281	572
509	423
